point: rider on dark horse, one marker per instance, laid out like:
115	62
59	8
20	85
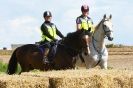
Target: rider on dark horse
49	34
84	22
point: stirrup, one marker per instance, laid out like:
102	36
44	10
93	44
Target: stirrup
45	59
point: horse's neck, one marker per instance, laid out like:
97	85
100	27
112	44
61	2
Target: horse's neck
69	43
98	38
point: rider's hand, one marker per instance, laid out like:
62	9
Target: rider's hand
89	29
55	40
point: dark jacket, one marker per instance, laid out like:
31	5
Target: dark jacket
46	33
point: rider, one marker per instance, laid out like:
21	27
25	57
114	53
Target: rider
84	22
49	33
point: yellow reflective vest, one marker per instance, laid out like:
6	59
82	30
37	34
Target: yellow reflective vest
52	32
86	24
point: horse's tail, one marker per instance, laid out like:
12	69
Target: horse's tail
12	65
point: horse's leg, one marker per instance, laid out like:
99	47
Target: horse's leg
103	63
24	68
88	62
78	62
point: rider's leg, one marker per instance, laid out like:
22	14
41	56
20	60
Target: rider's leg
46	52
46	55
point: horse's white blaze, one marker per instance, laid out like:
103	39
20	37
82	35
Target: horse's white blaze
88	49
109	26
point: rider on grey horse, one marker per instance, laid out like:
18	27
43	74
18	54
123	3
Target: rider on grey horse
99	53
84	22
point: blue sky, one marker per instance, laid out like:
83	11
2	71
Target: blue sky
20	20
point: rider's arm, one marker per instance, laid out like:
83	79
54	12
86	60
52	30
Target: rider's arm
93	27
59	33
45	32
78	24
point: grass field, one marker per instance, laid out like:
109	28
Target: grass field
3	67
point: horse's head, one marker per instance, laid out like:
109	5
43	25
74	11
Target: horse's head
107	27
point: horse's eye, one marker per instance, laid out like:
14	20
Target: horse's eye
104	26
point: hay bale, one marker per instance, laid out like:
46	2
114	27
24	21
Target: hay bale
93	81
92	78
75	82
19	81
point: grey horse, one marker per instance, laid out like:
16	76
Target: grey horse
98	52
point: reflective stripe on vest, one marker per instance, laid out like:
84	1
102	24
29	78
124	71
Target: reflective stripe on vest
86	24
52	32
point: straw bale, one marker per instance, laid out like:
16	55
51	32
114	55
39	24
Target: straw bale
93	78
19	81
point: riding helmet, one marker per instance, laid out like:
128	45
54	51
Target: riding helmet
84	8
47	13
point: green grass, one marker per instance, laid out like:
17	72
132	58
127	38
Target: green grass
3	67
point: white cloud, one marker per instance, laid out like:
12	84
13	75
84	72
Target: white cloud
128	22
23	25
22	21
20	30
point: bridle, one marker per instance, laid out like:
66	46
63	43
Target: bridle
104	27
105	32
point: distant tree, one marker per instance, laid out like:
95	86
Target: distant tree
120	45
110	45
4	48
115	46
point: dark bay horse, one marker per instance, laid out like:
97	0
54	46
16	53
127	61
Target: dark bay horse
31	57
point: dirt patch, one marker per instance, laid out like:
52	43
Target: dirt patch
119	58
5	58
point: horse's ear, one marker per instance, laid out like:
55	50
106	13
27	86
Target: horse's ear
110	16
104	16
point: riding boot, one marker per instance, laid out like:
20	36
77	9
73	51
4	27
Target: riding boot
46	55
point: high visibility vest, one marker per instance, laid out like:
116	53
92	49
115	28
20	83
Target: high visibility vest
52	32
86	24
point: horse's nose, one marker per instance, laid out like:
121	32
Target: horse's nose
110	38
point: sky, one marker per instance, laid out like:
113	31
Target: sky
20	20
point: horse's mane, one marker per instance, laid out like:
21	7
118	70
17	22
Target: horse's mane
97	26
73	34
